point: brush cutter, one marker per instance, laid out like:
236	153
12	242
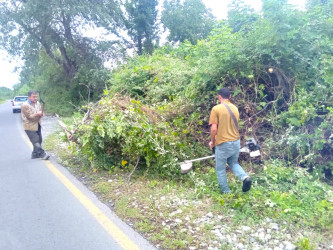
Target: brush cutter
187	165
251	147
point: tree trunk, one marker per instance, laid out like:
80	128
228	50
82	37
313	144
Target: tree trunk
139	45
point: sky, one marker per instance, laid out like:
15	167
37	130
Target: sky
7	67
219	8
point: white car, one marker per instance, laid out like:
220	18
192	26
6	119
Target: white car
17	103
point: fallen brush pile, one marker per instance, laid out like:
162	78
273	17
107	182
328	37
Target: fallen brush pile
120	132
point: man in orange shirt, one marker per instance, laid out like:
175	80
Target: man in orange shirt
225	138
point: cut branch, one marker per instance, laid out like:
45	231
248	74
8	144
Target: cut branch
136	165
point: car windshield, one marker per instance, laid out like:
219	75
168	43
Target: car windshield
21	99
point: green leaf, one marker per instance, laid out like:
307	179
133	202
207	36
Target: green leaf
101	131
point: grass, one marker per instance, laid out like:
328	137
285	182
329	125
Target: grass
181	214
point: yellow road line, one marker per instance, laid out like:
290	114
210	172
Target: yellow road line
108	225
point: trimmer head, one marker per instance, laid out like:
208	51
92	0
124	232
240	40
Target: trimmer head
186	167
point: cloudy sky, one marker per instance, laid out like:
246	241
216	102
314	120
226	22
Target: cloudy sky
219	8
7	66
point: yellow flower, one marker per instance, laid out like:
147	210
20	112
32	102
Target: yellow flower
123	163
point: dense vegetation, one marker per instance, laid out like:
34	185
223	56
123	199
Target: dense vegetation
280	73
153	108
278	64
5	93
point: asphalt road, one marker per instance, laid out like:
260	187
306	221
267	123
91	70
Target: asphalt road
42	206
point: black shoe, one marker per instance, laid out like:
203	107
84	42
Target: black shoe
34	156
246	184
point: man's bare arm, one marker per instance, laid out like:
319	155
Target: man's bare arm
213	132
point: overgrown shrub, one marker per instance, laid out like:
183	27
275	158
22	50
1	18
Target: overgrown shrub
123	133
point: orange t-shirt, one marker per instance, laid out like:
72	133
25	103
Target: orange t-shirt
226	129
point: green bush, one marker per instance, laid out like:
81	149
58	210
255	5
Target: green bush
295	195
123	132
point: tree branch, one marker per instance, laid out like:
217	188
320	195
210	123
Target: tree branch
136	165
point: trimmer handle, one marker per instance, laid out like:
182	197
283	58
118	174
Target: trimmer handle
213	149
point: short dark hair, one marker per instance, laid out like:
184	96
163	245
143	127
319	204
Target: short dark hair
32	92
225	93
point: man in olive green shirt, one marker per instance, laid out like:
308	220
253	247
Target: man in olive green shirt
32	113
225	138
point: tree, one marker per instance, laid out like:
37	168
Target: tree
53	26
240	16
141	24
5	93
275	9
190	20
316	2
59	56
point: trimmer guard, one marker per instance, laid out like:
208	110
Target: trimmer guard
185	167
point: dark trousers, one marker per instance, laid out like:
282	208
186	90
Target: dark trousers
36	140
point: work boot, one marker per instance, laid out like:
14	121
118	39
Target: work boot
246	184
